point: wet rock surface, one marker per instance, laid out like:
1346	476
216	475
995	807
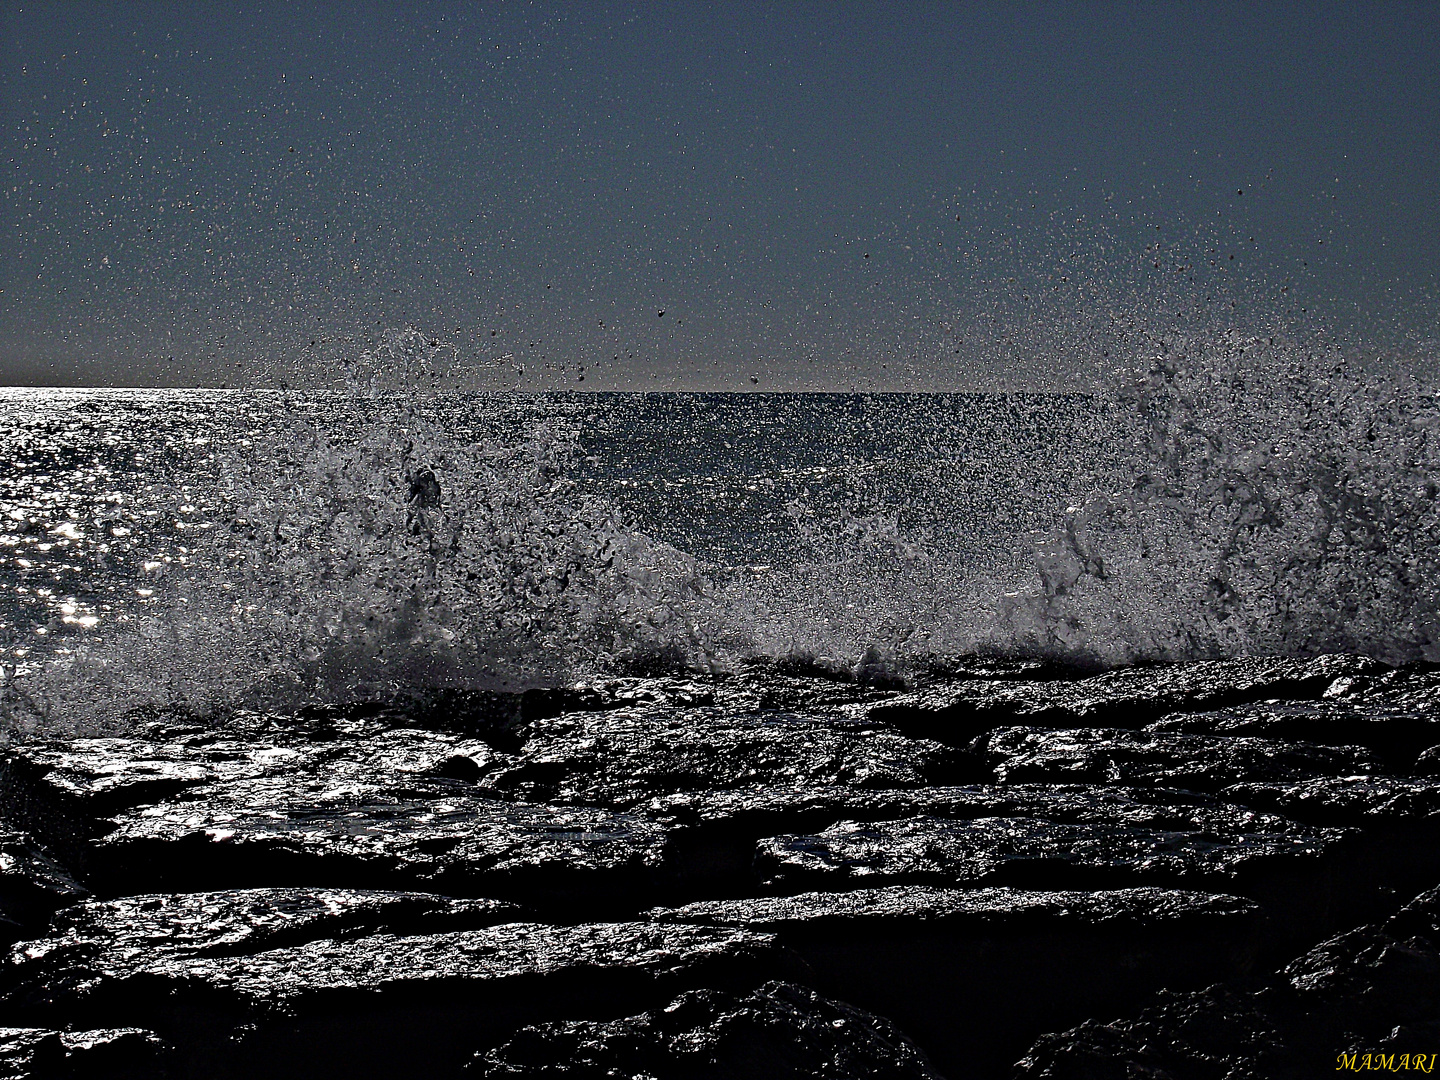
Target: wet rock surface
1371	991
778	1031
119	1053
790	871
629	756
279	833
1034	853
1128	697
1195	762
1004	959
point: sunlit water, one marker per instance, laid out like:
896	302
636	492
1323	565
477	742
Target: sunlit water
1219	495
102	490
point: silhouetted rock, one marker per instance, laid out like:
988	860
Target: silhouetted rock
1127	697
1399	818
1395	735
1202	762
1427	763
1368	990
105	1054
624	757
311	832
32	886
1216	1034
1251	856
778	1032
382	1005
973	974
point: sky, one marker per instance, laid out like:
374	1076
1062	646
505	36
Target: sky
704	196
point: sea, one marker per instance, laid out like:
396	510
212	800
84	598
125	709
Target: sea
213	550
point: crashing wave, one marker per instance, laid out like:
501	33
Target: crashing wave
1251	497
1277	502
379	557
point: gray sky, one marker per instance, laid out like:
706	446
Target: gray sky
815	195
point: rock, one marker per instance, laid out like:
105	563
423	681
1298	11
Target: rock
504	719
1199	762
1414	690
1077	803
1373	977
106	1054
974	975
91	939
399	888
1427	763
905	910
778	1032
1216	1034
1396	736
1398	817
33	885
1366	990
277	832
713	836
625	757
61	791
1126	697
383	1005
1264	859
1346	800
65	792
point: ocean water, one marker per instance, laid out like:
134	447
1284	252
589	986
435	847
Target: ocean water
104	490
222	549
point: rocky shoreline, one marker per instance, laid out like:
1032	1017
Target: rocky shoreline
767	874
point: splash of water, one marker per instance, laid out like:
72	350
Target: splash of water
1252	497
1249	497
1278	502
379	557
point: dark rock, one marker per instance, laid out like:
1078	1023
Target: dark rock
105	1054
384	1005
90	939
1366	990
33	885
1160	808
1128	697
713	836
60	791
1201	762
1373	977
65	793
1427	763
975	975
1399	819
625	757
778	1032
1279	864
1414	690
276	832
1346	801
1396	736
95	778
905	910
1217	1034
